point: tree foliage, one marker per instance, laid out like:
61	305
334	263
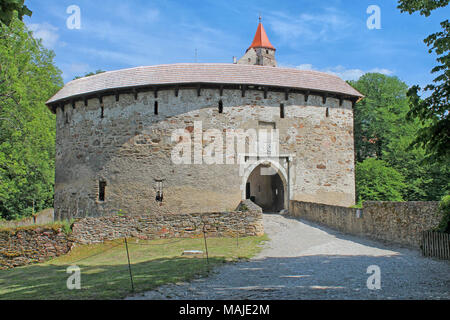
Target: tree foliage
28	78
9	7
434	109
379	114
423	6
383	133
378	182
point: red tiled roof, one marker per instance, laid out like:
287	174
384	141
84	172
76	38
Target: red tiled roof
261	40
205	73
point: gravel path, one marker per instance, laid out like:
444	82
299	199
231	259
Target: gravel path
305	261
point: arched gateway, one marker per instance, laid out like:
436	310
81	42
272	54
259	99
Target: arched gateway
266	184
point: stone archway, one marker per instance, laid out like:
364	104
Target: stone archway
266	186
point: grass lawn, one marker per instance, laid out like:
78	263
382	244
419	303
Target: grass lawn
104	268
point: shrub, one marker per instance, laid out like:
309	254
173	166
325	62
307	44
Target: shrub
376	181
444	209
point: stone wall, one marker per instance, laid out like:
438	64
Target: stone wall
44	217
160	226
396	222
25	245
130	147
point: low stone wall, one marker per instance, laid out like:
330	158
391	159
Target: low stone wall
219	224
44	217
396	222
28	245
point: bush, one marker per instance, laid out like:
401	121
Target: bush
376	181
444	209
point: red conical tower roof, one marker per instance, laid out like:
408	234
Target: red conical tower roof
261	40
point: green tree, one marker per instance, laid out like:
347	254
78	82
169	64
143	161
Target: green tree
8	7
382	132
28	77
433	111
379	114
378	182
89	74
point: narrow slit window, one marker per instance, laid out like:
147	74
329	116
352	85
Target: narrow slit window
282	111
327	114
102	114
102	191
67	118
159	190
220	106
156	108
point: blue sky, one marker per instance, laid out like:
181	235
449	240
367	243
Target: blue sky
330	36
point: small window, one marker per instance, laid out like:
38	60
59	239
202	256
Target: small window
156	108
220	106
247	191
282	111
159	190
327	114
102	191
102	114
67	118
267	51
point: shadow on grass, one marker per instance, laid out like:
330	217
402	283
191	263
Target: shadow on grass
49	281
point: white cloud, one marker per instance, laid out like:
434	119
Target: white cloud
47	32
344	73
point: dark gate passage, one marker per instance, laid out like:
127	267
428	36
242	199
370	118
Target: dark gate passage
266	188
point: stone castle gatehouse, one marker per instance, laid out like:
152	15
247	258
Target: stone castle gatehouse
114	137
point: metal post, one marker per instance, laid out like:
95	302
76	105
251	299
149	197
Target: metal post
129	265
206	245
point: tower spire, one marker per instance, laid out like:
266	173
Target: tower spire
261	40
261	52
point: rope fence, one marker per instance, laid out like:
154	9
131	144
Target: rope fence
127	244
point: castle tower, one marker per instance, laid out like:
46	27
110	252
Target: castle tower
261	52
